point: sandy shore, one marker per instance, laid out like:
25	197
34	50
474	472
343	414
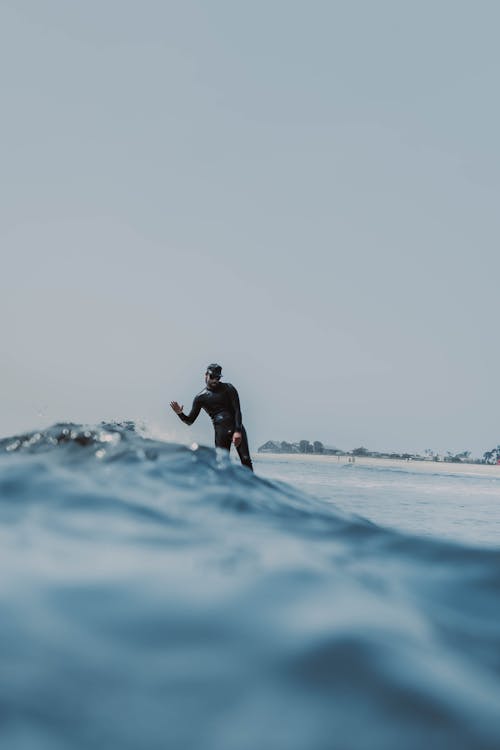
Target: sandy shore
426	467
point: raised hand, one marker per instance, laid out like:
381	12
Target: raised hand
175	406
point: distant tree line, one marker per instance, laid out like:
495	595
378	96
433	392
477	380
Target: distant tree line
302	446
317	447
492	456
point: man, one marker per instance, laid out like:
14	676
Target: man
222	404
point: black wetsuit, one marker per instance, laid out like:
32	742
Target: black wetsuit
222	404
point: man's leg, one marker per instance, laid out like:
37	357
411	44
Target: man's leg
223	435
244	451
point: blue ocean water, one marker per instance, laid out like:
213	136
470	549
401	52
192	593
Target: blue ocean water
154	596
445	501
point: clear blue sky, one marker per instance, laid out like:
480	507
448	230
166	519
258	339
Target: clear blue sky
307	192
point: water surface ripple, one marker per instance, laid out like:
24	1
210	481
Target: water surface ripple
155	596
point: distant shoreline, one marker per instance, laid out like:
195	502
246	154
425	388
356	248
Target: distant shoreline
425	467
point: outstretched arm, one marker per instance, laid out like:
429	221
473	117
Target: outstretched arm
187	418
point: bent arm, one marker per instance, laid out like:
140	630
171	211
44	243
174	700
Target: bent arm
195	410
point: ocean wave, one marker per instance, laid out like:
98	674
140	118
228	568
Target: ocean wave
156	595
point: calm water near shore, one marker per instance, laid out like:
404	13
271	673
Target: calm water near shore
448	501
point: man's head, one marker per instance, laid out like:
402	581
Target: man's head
213	375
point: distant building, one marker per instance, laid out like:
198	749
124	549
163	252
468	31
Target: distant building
330	450
270	447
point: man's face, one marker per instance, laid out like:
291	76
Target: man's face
210	380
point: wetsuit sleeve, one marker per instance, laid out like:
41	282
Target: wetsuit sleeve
235	403
195	410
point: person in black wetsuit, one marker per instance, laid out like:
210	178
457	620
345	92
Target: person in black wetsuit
222	404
